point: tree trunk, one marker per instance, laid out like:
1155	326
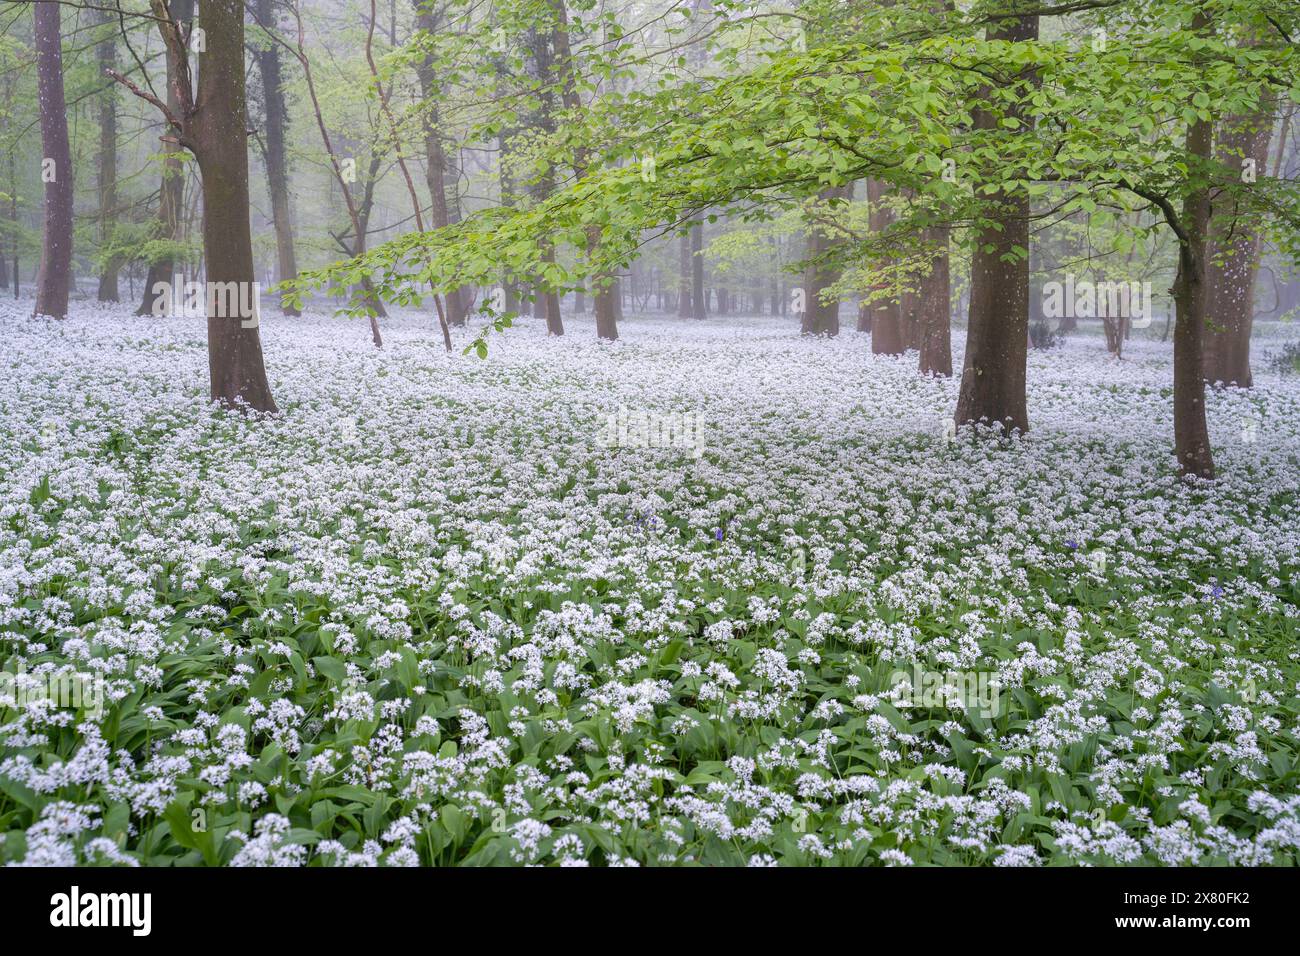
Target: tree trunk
546	300
10	208
436	165
220	144
13	222
699	308
1233	258
55	274
107	55
821	318
277	163
171	191
934	324
1191	435
549	299
684	275
362	225
997	336
604	288
884	318
507	188
606	295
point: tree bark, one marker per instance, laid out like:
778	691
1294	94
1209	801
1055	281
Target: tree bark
821	318
604	288
1233	258
277	162
886	319
997	336
171	191
361	226
55	274
11	207
541	42
1191	435
220	144
212	122
684	274
934	324
699	308
13	222
107	56
436	163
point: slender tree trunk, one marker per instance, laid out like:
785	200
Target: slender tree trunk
684	275
507	188
550	300
107	56
277	161
55	274
933	321
361	226
171	191
997	336
604	288
13	221
1233	260
699	308
4	263
220	144
436	164
546	300
909	309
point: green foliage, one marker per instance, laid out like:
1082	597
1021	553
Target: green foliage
1085	130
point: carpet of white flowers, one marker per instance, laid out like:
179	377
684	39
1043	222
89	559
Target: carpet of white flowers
425	616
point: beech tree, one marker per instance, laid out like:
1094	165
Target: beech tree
211	122
997	336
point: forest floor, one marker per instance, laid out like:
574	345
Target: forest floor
430	614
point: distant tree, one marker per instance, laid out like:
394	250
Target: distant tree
108	107
277	160
55	276
171	189
444	209
1242	144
